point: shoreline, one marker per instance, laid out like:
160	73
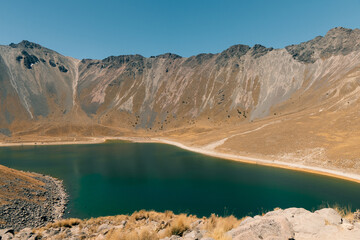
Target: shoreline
60	205
244	159
256	161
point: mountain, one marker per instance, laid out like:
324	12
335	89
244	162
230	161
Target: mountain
298	104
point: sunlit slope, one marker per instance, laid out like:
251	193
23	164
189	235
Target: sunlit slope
299	103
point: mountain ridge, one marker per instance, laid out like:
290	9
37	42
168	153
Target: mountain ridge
247	98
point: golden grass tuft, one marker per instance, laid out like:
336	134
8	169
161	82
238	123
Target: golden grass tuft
180	225
218	226
67	223
144	234
344	211
140	215
148	234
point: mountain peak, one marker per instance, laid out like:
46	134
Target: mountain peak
339	31
259	50
26	44
337	41
169	55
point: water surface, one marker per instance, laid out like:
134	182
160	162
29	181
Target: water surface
120	178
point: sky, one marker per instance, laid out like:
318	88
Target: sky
98	29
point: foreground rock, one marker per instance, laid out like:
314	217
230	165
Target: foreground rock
297	223
292	223
29	200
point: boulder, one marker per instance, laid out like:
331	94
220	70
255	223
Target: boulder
196	234
25	233
197	223
103	228
304	221
330	215
100	237
273	227
6	231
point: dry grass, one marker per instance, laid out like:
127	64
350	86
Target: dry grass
139	227
67	223
148	234
140	233
144	234
180	225
218	226
150	225
20	181
344	211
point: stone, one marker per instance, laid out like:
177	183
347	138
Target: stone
100	237
330	215
246	221
357	225
357	215
103	228
196	223
274	227
196	234
348	226
75	230
174	237
7	236
124	222
7	230
52	63
304	221
25	233
63	69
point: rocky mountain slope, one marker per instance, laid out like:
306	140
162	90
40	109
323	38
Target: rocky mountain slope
29	199
296	104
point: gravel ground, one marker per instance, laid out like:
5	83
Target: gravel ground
30	212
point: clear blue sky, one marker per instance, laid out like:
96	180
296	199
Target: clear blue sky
97	29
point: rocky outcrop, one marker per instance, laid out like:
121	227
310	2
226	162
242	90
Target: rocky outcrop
297	223
337	41
288	224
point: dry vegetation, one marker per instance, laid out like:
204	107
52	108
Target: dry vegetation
18	181
345	212
150	225
67	223
218	226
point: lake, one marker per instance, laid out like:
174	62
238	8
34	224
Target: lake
120	178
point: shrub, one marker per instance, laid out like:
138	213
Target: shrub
179	225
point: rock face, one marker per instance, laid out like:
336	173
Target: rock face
292	223
338	41
297	223
246	79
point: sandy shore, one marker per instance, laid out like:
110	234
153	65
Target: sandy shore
204	150
251	160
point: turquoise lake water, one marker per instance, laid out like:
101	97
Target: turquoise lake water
120	178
